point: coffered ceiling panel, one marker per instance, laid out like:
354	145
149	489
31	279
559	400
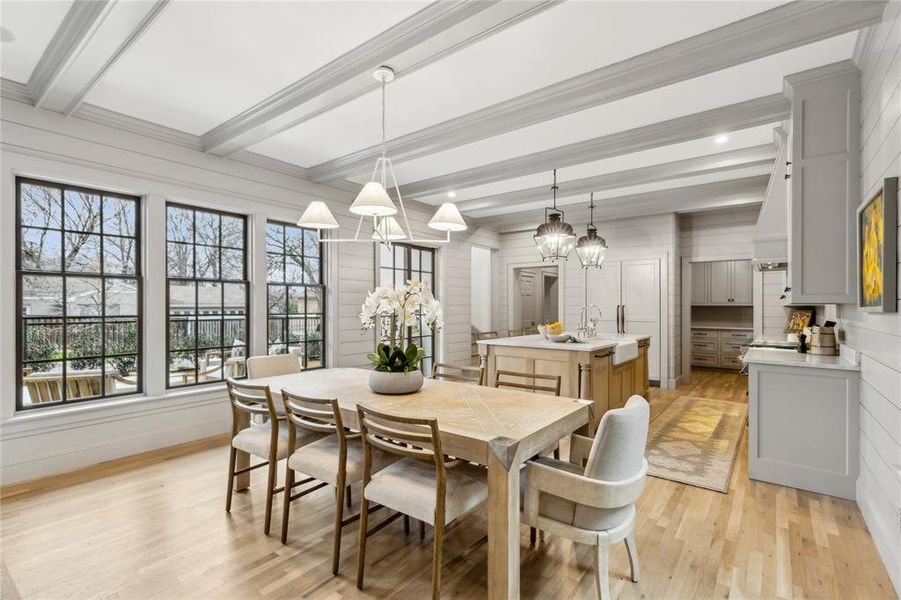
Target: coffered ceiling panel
32	25
557	44
203	62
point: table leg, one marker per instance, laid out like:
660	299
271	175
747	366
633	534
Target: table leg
242	459
503	520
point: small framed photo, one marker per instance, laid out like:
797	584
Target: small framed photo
877	246
798	319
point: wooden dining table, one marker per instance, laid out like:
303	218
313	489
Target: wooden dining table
497	428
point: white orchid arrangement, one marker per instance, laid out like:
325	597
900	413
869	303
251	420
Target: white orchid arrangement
401	306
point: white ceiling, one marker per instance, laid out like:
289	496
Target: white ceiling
201	63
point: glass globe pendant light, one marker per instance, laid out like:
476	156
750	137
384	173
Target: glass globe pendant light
555	237
591	247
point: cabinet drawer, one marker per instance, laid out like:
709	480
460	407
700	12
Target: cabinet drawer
703	347
703	334
735	335
703	360
730	348
730	362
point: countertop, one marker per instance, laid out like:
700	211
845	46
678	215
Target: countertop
603	340
791	358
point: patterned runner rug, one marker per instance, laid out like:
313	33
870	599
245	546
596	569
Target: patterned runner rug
695	441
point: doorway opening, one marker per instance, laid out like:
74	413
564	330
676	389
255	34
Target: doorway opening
534	297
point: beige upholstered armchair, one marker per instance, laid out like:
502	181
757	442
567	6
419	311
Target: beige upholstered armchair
594	504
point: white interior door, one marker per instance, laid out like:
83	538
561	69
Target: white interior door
641	305
604	290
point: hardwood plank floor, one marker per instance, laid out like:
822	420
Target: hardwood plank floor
155	527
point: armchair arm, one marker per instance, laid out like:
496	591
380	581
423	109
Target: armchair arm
541	476
579	449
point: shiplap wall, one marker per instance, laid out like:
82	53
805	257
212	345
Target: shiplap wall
774	314
721	234
644	237
878	336
116	157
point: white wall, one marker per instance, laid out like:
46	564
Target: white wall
718	235
878	336
158	165
643	237
481	288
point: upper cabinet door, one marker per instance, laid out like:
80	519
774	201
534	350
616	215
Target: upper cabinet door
742	282
720	291
825	183
700	275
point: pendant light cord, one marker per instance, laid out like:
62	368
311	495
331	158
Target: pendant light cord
384	142
591	210
554	188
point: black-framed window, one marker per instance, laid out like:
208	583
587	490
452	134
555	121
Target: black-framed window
399	263
78	289
207	295
295	294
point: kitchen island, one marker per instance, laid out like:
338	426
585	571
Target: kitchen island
606	369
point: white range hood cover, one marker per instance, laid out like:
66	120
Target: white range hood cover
770	237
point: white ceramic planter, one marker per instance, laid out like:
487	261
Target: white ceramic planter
395	383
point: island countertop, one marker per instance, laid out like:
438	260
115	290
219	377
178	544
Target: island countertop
598	342
791	358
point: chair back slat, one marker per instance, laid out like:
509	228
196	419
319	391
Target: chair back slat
488	335
405	436
503	379
320	415
460	373
249	398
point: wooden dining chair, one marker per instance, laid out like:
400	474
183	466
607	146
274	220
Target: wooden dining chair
329	454
591	499
514	379
459	373
419	485
516	332
488	335
267	441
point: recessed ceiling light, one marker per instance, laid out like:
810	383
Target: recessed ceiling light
7	36
721	139
452	194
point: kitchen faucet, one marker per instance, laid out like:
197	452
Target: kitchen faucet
588	328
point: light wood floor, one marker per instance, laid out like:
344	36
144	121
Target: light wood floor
155	527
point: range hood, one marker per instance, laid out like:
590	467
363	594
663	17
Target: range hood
770	237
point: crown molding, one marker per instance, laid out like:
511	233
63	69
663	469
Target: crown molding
723	162
836	69
432	33
15	91
732	117
776	30
707	196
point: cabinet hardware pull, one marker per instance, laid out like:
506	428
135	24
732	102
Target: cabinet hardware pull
788	176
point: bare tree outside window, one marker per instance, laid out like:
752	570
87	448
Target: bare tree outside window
207	292
79	284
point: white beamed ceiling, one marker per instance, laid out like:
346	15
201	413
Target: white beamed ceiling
553	46
203	62
203	67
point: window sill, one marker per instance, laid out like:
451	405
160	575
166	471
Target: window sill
34	421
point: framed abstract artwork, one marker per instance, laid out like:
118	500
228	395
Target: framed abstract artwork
877	245
798	319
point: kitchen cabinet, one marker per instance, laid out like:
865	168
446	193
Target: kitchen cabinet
722	282
628	294
824	157
803	421
720	348
700	272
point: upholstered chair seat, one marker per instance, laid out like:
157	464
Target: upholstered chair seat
319	460
255	440
410	486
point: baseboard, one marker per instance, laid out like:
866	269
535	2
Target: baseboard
879	532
